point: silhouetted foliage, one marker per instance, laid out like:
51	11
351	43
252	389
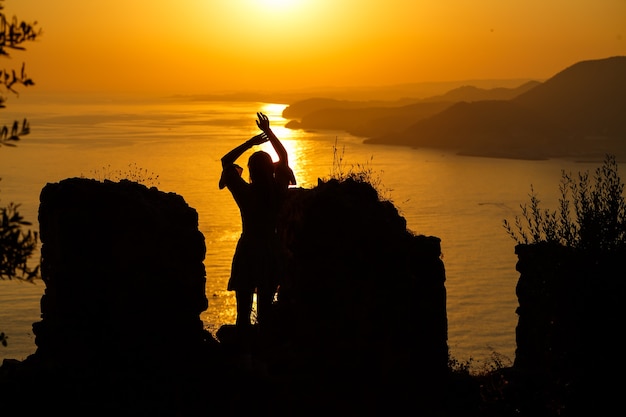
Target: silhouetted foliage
591	214
16	245
7	137
359	172
133	173
13	33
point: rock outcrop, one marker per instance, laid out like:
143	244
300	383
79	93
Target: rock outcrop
124	275
364	300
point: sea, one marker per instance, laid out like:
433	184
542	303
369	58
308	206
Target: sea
175	143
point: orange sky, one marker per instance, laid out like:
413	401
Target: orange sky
207	46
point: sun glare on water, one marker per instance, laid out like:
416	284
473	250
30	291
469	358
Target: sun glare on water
296	148
273	110
275	113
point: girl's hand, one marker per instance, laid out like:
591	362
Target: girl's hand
263	123
258	139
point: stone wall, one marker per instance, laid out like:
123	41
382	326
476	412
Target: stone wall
124	275
570	310
364	300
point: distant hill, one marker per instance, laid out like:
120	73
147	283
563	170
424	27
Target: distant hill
578	112
361	119
588	98
375	118
473	93
302	108
499	128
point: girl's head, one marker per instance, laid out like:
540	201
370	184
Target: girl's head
261	167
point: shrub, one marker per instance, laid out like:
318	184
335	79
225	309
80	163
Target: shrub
591	213
16	245
134	173
361	173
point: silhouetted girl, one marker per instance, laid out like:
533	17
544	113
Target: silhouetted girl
255	264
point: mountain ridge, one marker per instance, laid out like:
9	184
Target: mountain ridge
575	113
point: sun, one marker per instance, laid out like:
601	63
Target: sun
253	31
279	7
278	4
267	17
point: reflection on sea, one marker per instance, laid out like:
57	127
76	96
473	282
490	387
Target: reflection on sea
296	142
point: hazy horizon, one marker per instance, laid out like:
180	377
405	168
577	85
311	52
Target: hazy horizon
220	46
392	92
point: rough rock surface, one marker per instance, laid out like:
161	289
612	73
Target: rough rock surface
124	275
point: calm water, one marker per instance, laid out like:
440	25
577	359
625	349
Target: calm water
461	200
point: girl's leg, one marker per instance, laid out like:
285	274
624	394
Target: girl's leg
265	298
244	307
